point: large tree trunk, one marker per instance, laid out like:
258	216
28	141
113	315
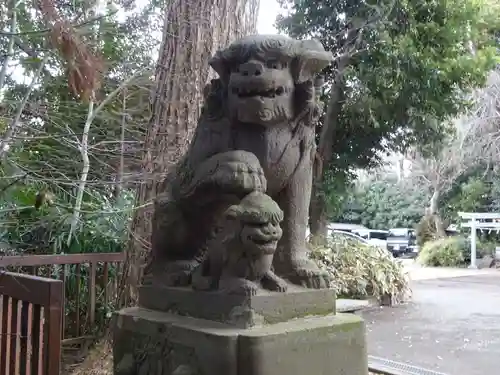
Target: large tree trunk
193	30
317	210
318	218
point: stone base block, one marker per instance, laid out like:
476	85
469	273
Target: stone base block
241	311
148	342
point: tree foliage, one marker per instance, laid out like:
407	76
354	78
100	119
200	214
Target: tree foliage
402	68
384	203
44	155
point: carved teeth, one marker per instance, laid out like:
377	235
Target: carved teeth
271	93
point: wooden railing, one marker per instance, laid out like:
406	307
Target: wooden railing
89	284
31	310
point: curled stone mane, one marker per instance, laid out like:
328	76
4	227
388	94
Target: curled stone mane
256	215
259	44
257	207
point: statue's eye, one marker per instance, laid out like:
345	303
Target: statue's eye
273	64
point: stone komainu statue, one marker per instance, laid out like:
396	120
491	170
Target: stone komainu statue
255	133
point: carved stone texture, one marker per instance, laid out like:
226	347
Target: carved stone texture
240	255
150	342
256	133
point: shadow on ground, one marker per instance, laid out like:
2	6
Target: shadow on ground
452	326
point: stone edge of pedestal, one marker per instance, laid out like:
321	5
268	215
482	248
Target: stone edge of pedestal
241	311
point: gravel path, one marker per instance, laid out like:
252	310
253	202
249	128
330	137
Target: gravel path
452	325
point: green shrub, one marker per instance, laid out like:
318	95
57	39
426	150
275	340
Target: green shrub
452	252
444	252
486	247
361	271
103	228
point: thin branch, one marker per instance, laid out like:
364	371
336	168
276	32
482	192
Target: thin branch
31	53
10	48
112	95
12	129
84	147
122	146
85	171
45	31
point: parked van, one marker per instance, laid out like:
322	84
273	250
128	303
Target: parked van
402	241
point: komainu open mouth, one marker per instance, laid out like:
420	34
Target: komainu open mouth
248	93
264	241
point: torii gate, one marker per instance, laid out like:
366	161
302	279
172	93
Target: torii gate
474	225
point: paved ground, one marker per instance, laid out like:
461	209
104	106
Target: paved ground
452	325
418	272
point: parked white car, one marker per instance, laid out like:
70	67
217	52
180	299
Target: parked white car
340	227
349	235
374	237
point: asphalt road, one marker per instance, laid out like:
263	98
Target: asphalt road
452	325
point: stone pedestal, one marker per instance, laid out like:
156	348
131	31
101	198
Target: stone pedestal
182	332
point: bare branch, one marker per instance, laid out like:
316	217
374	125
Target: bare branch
13	128
84	147
10	48
476	141
84	173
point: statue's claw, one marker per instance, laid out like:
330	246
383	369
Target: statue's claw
274	283
238	286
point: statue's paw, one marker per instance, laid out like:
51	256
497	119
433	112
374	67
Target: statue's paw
236	172
240	178
201	282
242	287
275	284
306	273
179	278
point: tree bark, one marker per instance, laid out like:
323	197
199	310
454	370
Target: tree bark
433	203
193	30
433	211
318	218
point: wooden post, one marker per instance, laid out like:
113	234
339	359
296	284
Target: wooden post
53	327
473	235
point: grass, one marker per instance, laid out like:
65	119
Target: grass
99	361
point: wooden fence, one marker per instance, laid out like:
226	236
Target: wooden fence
31	310
89	285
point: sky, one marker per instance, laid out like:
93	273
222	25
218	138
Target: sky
267	17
